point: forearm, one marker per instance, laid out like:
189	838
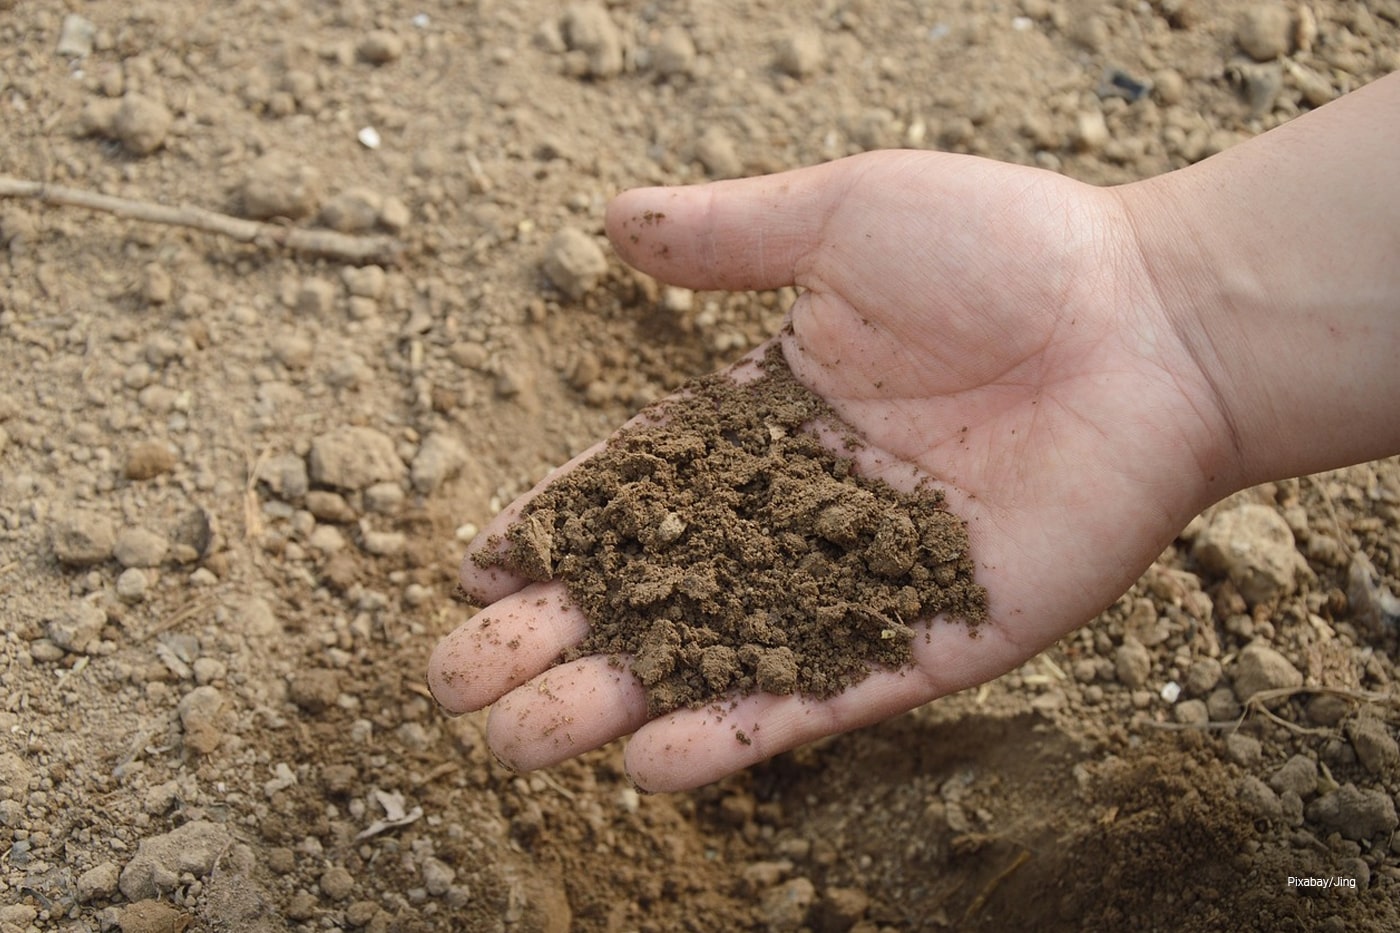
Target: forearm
1279	261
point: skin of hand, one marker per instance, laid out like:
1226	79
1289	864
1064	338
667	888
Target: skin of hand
1010	333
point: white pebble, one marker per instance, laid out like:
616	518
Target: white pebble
131	585
369	137
1171	691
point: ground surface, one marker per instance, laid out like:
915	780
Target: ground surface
234	482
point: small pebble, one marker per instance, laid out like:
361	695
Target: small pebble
380	47
193	847
1375	747
1243	750
1356	813
76	36
1265	31
98	882
574	262
1132	663
1298	774
149	459
383	498
355	210
315	297
1253	546
365	281
141	124
77	626
329	506
1191	712
715	150
353	458
383	543
437	876
82	538
132	584
674	53
589	31
337	883
1259	668
278	186
140	547
1090	131
314	690
1327	709
801	54
439	458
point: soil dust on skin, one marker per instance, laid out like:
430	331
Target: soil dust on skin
235	482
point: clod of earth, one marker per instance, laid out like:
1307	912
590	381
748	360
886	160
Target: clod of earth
723	549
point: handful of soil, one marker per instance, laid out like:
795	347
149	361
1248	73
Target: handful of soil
725	550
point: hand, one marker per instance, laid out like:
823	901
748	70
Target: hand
993	326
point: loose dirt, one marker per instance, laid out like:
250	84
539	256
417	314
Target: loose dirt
236	480
720	548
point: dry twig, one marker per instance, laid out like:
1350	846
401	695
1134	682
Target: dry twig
1257	703
352	249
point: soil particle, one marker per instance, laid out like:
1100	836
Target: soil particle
82	538
1265	31
315	690
786	906
1356	813
1298	774
1260	668
141	124
439	458
355	210
140	547
589	31
78	626
574	262
278	186
807	574
801	53
353	458
674	53
1132	663
199	715
160	860
716	152
149	459
379	47
152	916
99	881
1252	545
337	883
1375	747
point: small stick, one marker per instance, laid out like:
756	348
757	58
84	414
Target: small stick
353	249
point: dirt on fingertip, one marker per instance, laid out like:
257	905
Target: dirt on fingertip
719	547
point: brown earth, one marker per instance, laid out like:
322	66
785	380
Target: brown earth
235	480
718	548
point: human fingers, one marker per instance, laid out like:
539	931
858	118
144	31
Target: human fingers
566	711
748	233
692	747
503	646
482	577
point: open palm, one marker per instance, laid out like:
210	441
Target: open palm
988	326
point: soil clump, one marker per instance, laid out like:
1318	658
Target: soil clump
812	574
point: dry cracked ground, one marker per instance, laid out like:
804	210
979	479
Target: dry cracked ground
235	478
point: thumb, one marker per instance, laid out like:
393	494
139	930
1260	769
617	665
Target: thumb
750	233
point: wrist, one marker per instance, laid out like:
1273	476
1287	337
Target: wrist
1275	263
